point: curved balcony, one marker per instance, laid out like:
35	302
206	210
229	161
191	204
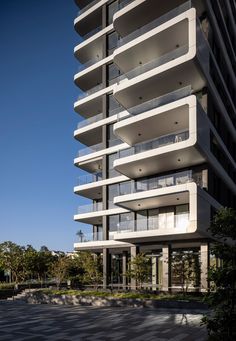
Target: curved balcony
155	23
93	213
91	14
89	131
92	47
89	17
159	191
90	73
171	71
159	117
90	102
179	178
178	149
157	143
90	158
132	17
93	185
192	203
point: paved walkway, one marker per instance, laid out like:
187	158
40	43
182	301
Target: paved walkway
21	321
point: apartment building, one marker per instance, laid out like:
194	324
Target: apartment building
158	120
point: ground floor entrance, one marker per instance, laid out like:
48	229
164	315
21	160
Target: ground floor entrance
166	267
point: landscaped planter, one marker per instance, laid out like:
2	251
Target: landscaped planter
38	297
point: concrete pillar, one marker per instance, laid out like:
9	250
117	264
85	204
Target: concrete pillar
166	276
204	257
134	250
124	268
154	273
105	259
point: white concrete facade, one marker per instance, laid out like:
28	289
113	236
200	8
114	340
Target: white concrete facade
157	162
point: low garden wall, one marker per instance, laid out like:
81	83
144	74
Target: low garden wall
38	297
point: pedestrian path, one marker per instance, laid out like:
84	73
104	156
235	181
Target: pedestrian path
21	321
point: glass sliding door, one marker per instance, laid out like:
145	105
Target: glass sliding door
182	216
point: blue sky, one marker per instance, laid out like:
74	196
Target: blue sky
37	121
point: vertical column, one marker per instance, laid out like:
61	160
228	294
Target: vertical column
134	250
154	273
124	268
105	259
204	254
166	255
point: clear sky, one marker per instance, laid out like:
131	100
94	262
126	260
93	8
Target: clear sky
37	121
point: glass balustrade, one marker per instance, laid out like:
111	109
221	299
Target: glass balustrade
180	51
88	63
90	236
161	182
157	143
90	120
90	91
122	4
98	117
89	178
90	150
85	8
98	147
93	236
163	221
94	207
92	32
157	102
155	23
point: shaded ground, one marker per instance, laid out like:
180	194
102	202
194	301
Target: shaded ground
21	321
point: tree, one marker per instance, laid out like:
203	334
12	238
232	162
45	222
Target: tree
12	259
91	268
60	269
43	262
139	269
30	256
185	268
221	324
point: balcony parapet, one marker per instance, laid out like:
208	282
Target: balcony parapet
157	143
